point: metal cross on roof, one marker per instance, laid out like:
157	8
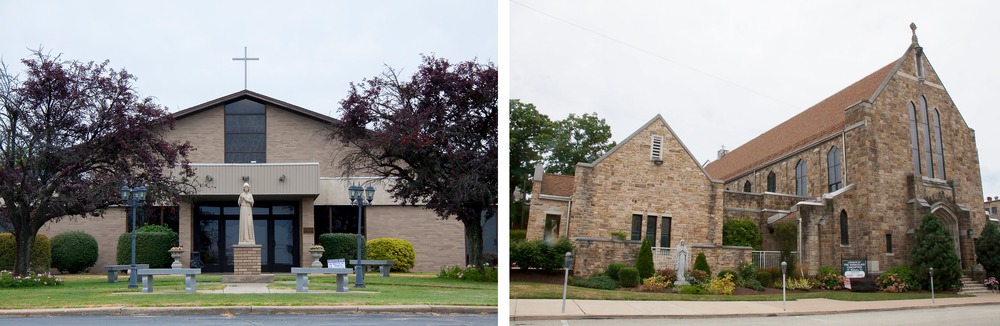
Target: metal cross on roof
245	59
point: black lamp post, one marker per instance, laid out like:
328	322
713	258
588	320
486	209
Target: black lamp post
133	197
359	196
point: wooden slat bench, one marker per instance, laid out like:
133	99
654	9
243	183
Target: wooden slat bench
113	270
190	284
383	265
302	277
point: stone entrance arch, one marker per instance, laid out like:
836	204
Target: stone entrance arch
950	221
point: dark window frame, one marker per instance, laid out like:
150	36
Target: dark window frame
928	152
939	147
237	148
665	231
651	230
888	243
746	186
914	140
845	239
833	169
801	180
636	227
772	181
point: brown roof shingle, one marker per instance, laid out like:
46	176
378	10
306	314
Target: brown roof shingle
814	123
557	185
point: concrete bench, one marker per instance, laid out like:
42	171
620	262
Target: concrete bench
302	277
113	270
383	265
146	275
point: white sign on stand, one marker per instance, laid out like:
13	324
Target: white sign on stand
336	263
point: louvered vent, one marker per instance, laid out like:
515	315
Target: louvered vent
656	150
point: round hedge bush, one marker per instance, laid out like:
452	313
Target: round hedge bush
41	253
74	252
342	245
614	269
398	250
152	245
629	277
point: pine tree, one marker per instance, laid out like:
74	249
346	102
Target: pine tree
934	247
701	263
988	249
644	261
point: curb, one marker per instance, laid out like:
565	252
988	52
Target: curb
219	310
743	315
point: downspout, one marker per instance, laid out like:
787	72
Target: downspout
843	143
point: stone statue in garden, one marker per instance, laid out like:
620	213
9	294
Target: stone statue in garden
246	216
680	264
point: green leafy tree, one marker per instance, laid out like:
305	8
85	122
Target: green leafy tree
576	139
530	138
644	261
934	247
741	232
988	249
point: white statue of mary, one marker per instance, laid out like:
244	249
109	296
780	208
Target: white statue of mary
246	216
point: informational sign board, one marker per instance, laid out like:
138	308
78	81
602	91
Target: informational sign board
336	263
854	268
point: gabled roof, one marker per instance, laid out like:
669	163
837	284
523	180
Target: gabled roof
636	133
557	185
248	94
816	122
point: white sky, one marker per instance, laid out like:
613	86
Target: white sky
723	72
181	51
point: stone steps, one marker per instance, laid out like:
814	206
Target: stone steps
972	287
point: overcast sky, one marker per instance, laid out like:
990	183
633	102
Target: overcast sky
723	72
181	51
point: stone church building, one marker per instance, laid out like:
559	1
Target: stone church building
856	172
283	151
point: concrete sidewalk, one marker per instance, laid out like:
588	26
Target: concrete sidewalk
548	309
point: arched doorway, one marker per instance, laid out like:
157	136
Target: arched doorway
951	224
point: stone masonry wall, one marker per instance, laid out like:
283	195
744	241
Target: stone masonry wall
721	257
593	255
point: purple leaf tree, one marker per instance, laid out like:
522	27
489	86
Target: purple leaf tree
433	136
71	134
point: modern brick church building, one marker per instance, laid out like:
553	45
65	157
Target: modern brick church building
284	153
856	172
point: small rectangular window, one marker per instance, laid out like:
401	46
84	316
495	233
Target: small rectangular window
665	232
888	243
656	150
636	227
651	230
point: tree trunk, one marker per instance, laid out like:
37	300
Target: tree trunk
22	251
474	241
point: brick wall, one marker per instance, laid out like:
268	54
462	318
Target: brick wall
106	229
437	242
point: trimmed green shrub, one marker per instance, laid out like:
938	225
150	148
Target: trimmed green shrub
150	248
764	278
644	261
539	254
741	232
602	282
934	247
74	252
342	246
701	263
518	235
398	250
988	249
613	269
41	253
155	228
629	277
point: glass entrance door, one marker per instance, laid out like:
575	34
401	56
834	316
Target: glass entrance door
275	229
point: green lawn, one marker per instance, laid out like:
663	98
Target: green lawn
524	290
401	289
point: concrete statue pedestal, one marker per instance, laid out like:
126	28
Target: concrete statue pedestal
246	266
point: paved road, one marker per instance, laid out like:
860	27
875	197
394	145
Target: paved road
967	315
286	320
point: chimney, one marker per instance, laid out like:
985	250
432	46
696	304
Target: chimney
538	172
722	152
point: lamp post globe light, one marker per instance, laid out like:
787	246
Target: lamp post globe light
359	195
133	197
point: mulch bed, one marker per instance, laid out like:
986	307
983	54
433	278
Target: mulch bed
536	276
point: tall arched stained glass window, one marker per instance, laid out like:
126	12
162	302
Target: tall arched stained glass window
800	178
914	142
929	171
771	182
833	169
939	155
746	186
